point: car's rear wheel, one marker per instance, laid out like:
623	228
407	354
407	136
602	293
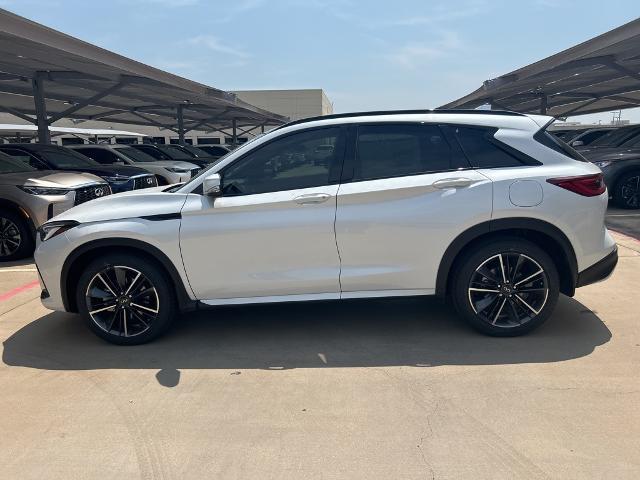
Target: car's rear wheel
15	239
626	193
506	288
125	299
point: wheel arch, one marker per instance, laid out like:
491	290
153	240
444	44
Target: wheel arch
540	232
84	254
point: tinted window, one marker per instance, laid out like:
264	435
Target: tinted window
176	153
26	158
135	154
153	151
100	155
616	137
396	150
64	158
15	164
214	150
560	146
300	160
481	149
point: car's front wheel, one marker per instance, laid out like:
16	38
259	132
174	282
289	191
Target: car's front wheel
15	239
506	287
125	299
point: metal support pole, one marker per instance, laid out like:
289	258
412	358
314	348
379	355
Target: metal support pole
180	124
41	110
543	105
262	129
234	138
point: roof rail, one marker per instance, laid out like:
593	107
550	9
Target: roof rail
400	112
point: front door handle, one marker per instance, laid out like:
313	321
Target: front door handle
312	198
452	183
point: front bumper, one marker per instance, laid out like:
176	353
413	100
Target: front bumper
599	270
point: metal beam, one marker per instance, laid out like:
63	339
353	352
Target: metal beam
180	115
41	110
234	136
152	121
88	101
18	114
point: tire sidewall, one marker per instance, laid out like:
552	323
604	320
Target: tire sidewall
468	265
153	273
26	240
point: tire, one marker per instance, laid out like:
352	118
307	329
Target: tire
144	302
498	308
626	193
16	241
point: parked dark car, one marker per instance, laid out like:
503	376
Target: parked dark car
582	138
196	152
171	152
613	139
54	157
621	168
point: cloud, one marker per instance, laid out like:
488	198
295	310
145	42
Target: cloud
413	54
213	43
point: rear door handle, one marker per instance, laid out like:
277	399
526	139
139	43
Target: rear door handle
452	183
312	198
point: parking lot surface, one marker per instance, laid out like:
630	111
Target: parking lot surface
624	221
369	389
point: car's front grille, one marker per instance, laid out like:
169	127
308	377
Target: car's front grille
146	181
195	171
85	194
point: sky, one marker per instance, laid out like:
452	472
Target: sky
366	55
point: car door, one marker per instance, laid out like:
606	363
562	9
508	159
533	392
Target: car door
407	192
271	233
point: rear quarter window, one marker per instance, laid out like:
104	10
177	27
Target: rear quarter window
484	151
554	143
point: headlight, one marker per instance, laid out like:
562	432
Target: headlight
52	229
44	190
177	169
603	163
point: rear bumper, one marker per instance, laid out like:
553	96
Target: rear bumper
599	270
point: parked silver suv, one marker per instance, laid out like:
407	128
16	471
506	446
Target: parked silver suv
30	197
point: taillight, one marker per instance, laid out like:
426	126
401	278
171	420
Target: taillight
586	185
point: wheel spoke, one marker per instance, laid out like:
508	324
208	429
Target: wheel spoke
102	309
107	285
504	276
516	269
120	278
132	283
495	319
486	273
124	321
526	304
143	307
473	289
533	275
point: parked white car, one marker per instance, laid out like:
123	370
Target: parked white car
167	171
485	208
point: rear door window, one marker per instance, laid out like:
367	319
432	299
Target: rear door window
396	150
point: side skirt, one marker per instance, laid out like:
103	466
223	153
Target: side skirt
317	296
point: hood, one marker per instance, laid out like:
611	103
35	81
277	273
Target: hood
612	154
113	170
49	178
171	164
132	204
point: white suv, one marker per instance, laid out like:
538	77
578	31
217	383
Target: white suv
484	208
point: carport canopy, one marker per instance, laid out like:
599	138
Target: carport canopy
599	75
46	75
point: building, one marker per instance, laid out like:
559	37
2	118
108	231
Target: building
295	104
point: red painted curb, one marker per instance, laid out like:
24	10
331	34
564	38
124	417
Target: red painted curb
17	290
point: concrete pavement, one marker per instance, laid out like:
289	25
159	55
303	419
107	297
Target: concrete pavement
369	389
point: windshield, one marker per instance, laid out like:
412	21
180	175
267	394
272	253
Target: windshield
632	142
198	152
15	165
175	152
65	158
136	155
615	137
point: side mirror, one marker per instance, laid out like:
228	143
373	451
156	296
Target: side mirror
212	185
577	143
